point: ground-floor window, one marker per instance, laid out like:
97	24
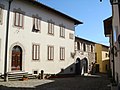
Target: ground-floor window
50	52
35	52
62	53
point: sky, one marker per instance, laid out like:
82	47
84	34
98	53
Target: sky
90	12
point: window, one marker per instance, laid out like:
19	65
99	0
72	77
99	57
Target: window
35	72
106	55
62	53
50	52
78	46
1	15
18	19
91	48
84	47
51	27
62	31
95	57
36	24
35	52
71	36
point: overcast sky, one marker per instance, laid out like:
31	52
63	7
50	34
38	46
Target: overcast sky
91	14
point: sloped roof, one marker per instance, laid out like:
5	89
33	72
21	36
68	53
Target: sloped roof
107	26
79	38
76	22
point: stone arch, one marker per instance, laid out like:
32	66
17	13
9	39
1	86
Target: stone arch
78	66
84	65
10	55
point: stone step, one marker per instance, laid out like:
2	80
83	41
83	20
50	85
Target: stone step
31	76
12	76
18	75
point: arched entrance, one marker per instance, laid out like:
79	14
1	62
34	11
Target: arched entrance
16	63
78	66
84	65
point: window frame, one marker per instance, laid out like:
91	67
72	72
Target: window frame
62	53
62	31
1	18
36	23
71	36
91	48
35	52
51	27
78	45
84	47
51	53
20	21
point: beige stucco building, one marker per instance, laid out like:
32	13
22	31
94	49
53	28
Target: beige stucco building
102	60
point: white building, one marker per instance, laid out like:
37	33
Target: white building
112	30
40	38
116	39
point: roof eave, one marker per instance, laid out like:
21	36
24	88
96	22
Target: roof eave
76	22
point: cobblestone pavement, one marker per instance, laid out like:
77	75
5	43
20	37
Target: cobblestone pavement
74	83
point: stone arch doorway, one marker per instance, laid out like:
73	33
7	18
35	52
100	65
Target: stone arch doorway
16	62
84	65
78	66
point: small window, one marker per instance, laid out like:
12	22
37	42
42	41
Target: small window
35	52
50	52
1	15
78	46
106	55
18	21
35	72
71	36
95	57
62	53
51	27
62	31
91	48
36	24
84	47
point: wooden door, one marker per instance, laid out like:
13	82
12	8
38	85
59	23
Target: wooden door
16	58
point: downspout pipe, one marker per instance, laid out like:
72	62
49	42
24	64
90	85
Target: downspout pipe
6	41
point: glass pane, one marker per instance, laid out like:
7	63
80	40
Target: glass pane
49	53
0	15
39	24
21	20
16	19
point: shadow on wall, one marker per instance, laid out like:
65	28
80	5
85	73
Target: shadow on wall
80	67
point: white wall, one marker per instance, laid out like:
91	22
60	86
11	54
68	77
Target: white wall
24	37
116	24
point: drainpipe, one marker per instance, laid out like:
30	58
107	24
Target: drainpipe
6	42
113	58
